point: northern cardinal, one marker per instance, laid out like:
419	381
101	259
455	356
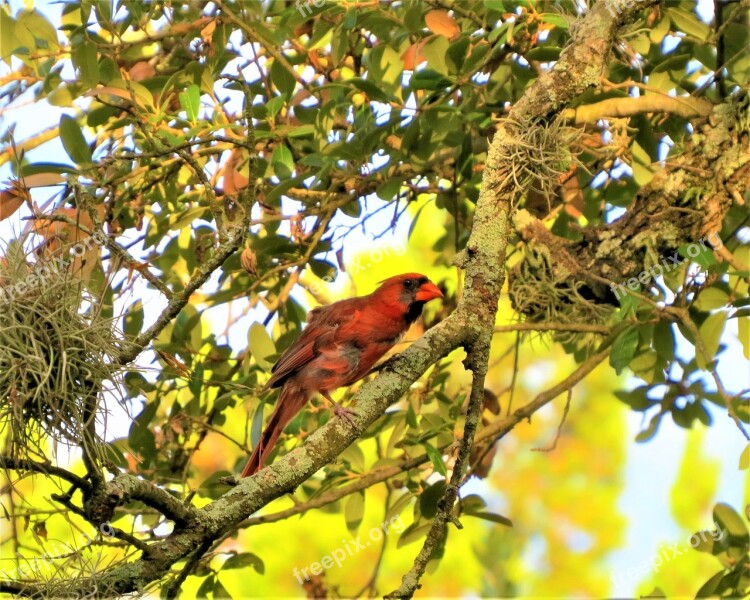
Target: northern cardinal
341	343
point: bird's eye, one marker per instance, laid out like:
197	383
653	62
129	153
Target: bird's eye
408	283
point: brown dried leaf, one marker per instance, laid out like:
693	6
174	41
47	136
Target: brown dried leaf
207	32
111	90
412	56
440	22
140	71
490	402
174	363
249	261
11	200
62	237
340	260
40	529
234	181
42	180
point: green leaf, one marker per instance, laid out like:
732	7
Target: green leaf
389	189
261	345
745	458
373	91
431	497
703	541
141	438
688	23
42	167
429	79
637	399
73	141
8	41
412	533
274	105
220	591
623	350
134	319
743	332
650	431
85	58
282	79
711	298
543	53
206	587
473	503
710	331
672	62
256	428
708	589
730	520
435	52
488	516
354	511
559	21
35	32
399	505
190	101
436	458
703	257
389	67
214	486
244	559
663	341
658	31
282	162
641	174
355	457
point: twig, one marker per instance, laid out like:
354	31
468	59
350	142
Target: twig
560	426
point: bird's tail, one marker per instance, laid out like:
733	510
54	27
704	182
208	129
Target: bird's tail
290	402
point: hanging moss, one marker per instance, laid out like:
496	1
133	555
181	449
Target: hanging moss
55	352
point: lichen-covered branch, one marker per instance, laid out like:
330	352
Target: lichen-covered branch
477	361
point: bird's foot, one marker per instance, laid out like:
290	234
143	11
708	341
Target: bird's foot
345	413
340	411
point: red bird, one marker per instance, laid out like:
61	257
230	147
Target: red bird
341	343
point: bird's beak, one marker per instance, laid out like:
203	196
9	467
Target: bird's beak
428	291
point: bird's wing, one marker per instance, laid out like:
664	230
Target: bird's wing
323	323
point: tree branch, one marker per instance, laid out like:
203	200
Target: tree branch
23	464
477	361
